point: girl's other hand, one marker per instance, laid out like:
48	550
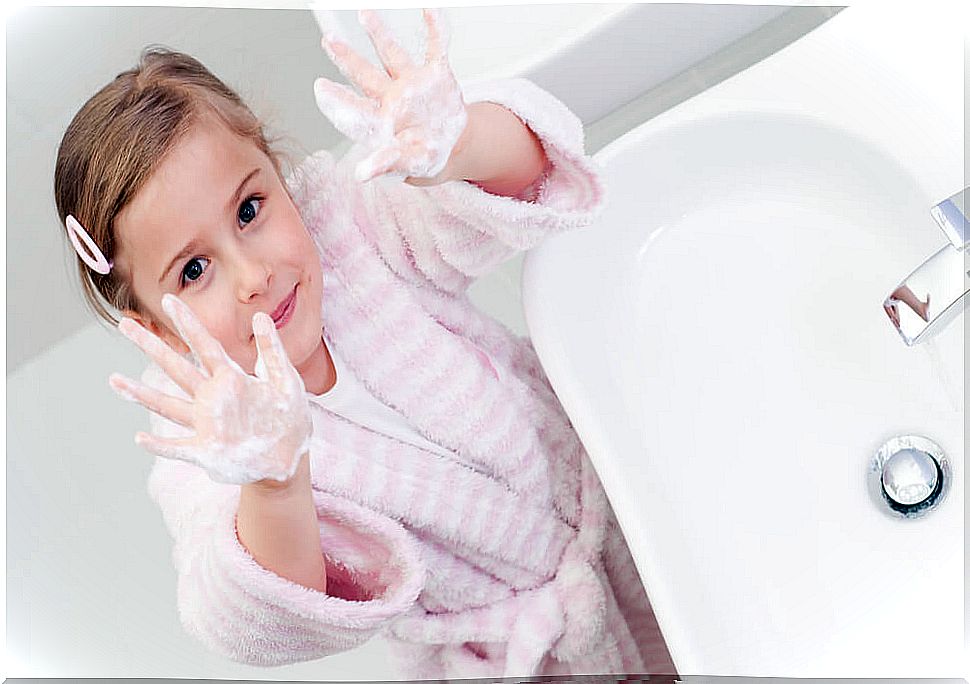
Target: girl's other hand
410	115
247	428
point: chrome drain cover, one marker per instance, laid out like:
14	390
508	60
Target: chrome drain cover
909	476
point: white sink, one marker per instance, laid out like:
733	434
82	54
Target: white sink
727	362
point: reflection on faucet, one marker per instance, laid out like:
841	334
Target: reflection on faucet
905	295
945	280
944	276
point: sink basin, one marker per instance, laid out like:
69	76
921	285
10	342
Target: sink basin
727	362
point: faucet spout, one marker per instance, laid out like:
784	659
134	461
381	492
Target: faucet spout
935	293
931	296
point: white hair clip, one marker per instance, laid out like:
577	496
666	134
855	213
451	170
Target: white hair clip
96	258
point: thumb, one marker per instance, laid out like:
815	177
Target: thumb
349	113
377	163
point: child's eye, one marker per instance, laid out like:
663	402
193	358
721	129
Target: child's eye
246	212
192	271
194	268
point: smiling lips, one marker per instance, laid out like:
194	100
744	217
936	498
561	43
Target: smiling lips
282	314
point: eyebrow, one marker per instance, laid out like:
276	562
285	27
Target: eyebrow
191	247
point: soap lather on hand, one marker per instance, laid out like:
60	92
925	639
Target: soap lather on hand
409	115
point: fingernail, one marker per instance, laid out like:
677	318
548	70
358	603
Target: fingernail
121	387
323	92
127	326
334	44
369	17
362	173
168	304
262	323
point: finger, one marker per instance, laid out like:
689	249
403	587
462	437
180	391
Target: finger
436	49
326	18
270	352
206	348
175	409
355	68
394	57
182	449
353	115
185	375
378	163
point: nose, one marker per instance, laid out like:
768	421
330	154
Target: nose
253	276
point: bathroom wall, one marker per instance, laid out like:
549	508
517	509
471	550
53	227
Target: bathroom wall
90	582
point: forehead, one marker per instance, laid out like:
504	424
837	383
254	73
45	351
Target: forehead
204	159
187	191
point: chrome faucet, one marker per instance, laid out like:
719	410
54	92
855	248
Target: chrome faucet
935	293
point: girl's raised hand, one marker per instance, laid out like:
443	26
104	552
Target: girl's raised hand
247	428
410	114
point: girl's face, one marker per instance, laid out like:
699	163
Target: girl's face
215	226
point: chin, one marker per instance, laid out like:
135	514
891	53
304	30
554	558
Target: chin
303	346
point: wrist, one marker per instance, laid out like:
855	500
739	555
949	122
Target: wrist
456	166
497	151
269	487
465	160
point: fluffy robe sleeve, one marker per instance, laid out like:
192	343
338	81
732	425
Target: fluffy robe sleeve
246	612
449	234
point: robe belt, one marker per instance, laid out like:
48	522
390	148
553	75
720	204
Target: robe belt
564	616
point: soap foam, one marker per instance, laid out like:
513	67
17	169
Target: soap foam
415	126
252	428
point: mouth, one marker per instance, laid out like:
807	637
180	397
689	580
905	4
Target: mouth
284	312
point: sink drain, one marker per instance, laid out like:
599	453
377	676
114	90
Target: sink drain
909	476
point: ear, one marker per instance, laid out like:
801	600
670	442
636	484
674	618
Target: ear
161	331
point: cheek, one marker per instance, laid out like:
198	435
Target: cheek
226	333
305	250
316	285
305	242
292	242
244	355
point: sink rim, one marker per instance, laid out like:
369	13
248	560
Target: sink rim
591	430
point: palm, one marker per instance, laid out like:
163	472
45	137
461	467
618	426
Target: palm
245	428
224	410
411	114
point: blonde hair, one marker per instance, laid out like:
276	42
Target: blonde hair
118	138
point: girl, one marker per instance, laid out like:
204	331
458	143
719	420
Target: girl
345	446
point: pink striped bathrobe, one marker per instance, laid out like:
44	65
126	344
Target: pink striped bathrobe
505	560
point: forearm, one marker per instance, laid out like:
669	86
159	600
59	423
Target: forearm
278	526
496	150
